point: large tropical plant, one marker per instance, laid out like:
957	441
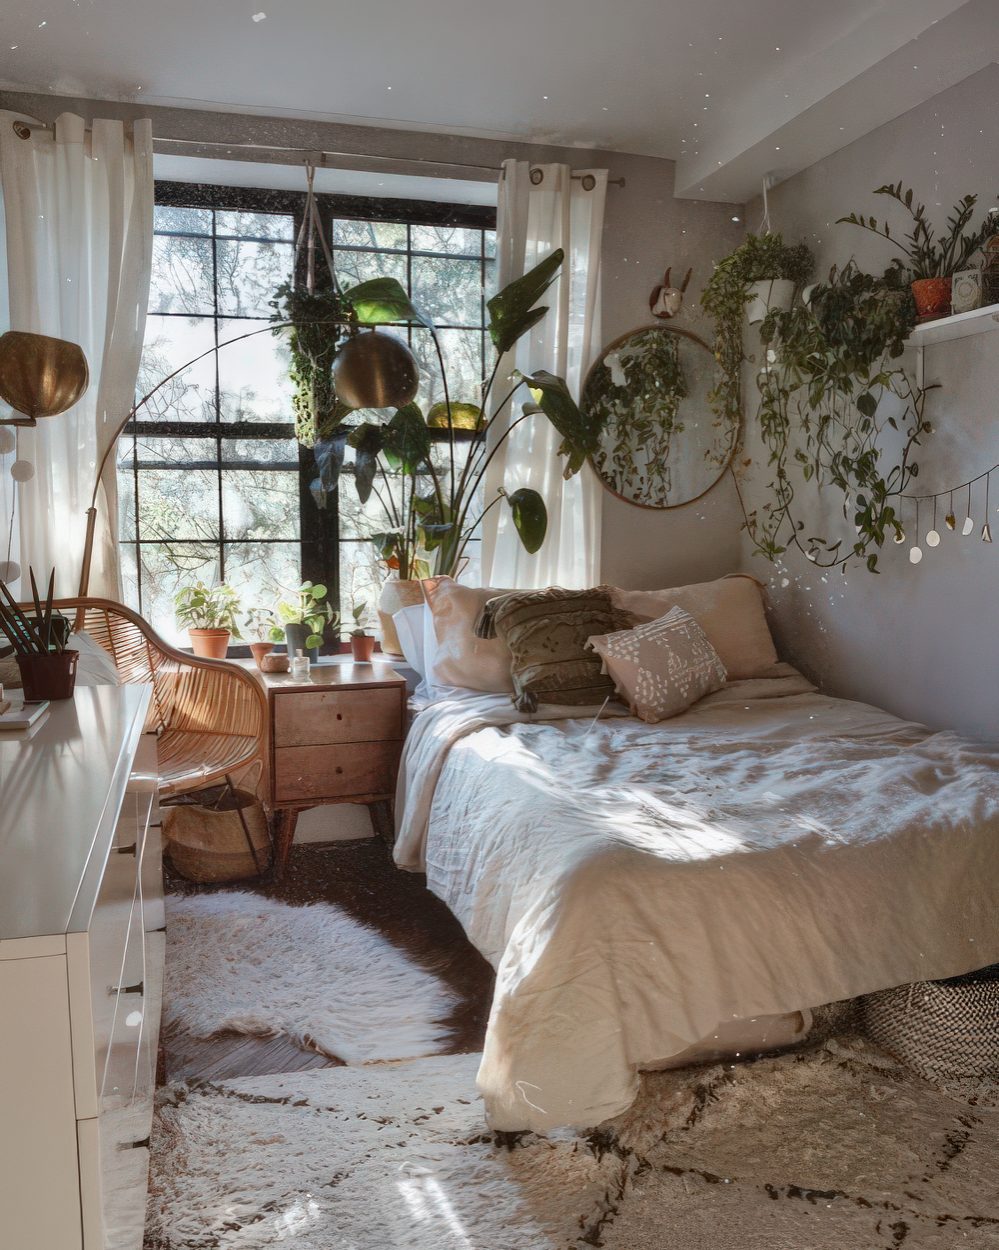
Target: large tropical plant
430	526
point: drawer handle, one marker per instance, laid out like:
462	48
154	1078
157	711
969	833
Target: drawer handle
143	1144
127	850
127	989
339	769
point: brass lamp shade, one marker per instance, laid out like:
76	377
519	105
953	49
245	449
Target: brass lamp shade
40	376
375	370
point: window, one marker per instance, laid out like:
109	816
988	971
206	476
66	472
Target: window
212	483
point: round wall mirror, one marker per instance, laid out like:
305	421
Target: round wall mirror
663	446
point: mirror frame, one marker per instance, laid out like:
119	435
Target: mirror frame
611	346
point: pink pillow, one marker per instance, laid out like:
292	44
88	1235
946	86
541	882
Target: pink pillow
663	667
729	610
463	660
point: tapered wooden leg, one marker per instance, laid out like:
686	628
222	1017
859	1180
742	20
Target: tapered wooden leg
382	821
285	821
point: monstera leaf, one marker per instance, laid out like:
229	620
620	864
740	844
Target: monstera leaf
580	433
530	517
512	311
384	299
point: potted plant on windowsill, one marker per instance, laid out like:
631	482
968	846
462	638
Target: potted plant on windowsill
47	665
362	644
209	612
930	262
303	616
261	623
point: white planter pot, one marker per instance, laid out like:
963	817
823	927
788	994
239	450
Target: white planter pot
771	293
396	594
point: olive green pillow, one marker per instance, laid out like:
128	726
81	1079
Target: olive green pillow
546	632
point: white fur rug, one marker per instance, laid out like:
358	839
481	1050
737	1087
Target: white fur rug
243	962
835	1148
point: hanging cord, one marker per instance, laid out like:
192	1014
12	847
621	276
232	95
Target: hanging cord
765	227
310	230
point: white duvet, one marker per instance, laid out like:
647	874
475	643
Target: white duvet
634	885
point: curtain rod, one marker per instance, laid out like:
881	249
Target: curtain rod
23	130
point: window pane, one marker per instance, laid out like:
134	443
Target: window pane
170	343
489	281
129	576
361	577
248	274
489	242
256	225
455	240
256	451
176	500
354	267
185	220
253	374
462	352
182	275
165	569
260	503
369	233
449	290
359	520
262	573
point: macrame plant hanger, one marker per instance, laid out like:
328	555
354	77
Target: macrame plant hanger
310	230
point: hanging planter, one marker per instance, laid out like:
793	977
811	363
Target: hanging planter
766	295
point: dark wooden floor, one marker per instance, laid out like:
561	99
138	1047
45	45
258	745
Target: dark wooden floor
361	878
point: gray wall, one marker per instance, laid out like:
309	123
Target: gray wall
918	640
645	230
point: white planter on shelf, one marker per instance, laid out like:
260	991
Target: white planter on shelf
770	293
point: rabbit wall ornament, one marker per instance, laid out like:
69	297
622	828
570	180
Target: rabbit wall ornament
666	301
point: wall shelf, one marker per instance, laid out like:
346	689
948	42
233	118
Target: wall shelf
959	326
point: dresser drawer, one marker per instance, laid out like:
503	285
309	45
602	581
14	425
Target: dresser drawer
324	772
327	716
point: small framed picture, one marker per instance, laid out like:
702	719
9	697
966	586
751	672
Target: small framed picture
966	291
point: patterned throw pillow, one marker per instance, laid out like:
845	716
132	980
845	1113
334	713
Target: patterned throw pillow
662	667
547	633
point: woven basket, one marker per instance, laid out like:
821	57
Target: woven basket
211	842
939	1028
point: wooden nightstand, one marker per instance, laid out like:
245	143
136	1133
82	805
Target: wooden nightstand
334	738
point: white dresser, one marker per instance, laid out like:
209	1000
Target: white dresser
81	966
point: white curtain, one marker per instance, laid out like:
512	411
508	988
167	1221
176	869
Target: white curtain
79	226
543	207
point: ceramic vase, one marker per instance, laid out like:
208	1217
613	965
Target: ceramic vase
770	293
396	595
210	644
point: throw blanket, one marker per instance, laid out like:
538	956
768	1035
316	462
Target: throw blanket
634	885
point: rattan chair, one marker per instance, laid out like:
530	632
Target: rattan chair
210	716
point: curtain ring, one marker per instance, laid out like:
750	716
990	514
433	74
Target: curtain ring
537	176
588	182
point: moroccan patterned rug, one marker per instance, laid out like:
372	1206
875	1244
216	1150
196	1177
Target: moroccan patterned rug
243	962
832	1148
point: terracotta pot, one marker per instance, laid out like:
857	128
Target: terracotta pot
51	676
932	296
210	644
362	647
396	595
278	663
259	649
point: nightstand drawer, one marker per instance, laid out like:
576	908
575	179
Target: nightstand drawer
324	772
328	716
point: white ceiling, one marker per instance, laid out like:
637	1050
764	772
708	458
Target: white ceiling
711	83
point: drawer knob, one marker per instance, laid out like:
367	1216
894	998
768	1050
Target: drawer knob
339	715
126	989
339	769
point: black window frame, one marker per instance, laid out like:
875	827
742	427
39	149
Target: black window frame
319	537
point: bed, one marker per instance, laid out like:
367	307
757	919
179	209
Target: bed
633	885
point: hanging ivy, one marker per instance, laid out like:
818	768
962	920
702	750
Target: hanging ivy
314	340
837	409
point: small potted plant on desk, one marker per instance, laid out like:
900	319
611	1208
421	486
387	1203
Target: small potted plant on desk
260	623
362	644
47	665
304	615
209	612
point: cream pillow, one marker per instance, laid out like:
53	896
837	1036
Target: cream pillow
662	667
461	659
729	610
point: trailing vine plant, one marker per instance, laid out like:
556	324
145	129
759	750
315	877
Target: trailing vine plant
836	409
